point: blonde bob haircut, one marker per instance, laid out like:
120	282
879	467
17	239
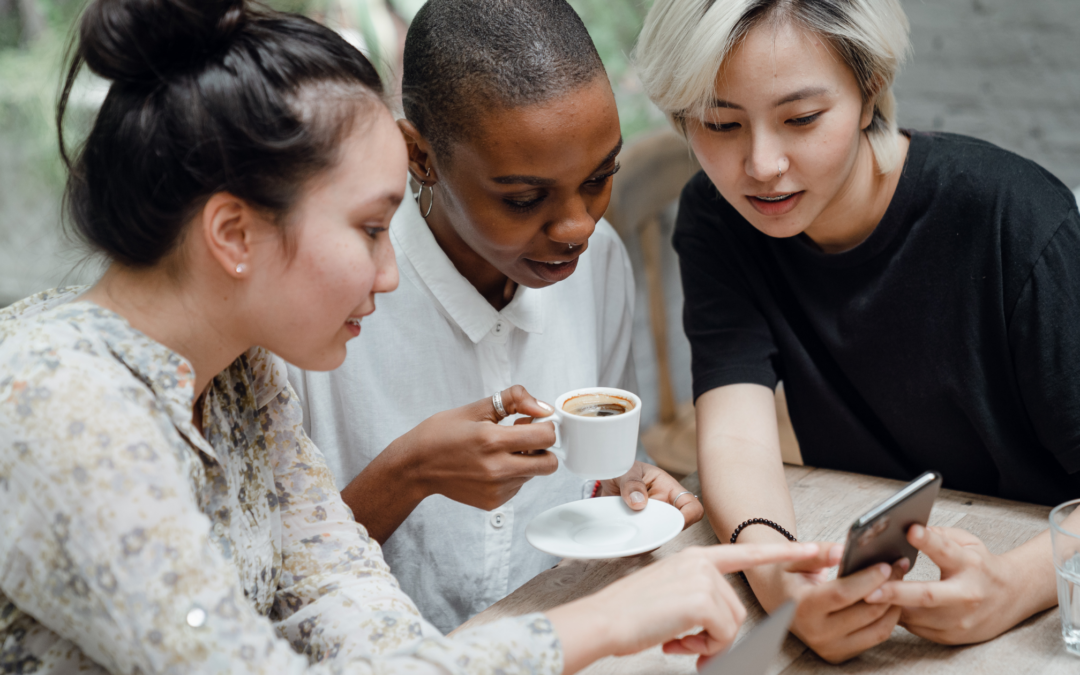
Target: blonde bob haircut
684	43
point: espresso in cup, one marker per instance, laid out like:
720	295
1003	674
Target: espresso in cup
596	431
597	405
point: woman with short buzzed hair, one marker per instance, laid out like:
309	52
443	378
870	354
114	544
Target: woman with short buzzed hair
509	277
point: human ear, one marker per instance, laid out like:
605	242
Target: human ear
870	103
228	227
421	155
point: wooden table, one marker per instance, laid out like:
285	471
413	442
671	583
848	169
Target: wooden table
825	503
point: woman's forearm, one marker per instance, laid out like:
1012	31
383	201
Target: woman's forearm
742	475
584	633
1032	565
383	496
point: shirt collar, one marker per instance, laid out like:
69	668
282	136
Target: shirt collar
461	301
168	374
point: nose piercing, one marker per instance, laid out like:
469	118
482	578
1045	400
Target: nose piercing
779	173
570	247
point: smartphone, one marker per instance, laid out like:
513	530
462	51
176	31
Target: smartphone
880	534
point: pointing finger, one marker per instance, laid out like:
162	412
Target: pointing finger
828	555
730	558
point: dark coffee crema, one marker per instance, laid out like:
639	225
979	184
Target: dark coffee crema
597	405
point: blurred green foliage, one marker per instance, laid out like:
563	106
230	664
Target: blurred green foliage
614	26
31	73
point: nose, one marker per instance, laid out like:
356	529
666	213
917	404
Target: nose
764	158
575	224
386	269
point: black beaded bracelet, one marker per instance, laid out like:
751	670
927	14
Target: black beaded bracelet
761	521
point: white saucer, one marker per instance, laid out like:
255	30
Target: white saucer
604	527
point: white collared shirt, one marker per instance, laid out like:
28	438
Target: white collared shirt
435	344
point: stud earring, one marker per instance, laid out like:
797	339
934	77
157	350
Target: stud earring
241	268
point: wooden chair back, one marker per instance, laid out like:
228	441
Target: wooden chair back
653	171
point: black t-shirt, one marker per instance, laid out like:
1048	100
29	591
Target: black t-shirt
948	340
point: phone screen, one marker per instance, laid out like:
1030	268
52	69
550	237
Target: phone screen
880	534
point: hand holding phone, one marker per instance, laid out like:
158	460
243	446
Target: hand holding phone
880	535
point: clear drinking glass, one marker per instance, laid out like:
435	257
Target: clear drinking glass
1065	535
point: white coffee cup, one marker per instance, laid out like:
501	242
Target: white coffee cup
596	447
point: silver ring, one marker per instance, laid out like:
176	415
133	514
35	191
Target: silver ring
685	492
496	400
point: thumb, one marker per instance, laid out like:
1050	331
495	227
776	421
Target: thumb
634	493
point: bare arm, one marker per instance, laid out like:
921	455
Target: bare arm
385	493
739	463
742	477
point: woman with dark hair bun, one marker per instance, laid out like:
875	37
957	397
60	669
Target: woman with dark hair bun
161	508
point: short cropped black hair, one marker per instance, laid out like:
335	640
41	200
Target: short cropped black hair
464	55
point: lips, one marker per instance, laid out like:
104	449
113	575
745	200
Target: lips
352	324
552	271
775	203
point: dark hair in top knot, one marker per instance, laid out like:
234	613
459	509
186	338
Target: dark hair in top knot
206	97
463	56
146	40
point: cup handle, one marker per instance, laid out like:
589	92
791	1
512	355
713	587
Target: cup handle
555	418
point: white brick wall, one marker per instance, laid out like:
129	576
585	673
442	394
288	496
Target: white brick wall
1006	71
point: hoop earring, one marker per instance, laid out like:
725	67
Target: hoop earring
420	193
431	201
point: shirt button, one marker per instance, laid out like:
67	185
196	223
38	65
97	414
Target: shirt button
498	519
219	530
499	328
196	616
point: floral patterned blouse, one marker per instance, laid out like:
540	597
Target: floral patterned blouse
130	542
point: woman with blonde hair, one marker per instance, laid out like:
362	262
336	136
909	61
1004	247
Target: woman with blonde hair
914	291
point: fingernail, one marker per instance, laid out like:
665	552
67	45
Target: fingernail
810	548
875	596
636	497
545	406
884	569
918	531
905	564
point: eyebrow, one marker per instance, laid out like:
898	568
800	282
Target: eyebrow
389	198
537	181
807	92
